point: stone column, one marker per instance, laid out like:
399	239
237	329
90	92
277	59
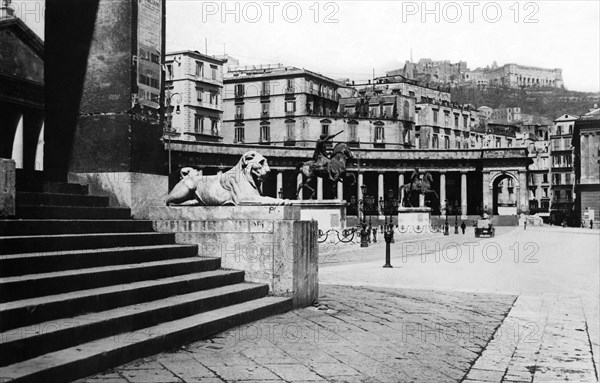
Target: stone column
359	184
279	184
487	191
340	190
319	188
443	189
400	179
299	181
463	192
380	190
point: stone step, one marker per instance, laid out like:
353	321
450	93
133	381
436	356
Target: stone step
55	199
37	285
28	342
71	226
43	243
41	309
95	356
65	188
44	262
71	212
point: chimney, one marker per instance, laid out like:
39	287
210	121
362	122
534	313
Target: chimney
6	12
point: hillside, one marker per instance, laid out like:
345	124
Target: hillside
547	102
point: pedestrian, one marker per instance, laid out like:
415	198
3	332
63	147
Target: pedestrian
591	223
525	225
463	226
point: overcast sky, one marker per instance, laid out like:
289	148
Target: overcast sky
350	39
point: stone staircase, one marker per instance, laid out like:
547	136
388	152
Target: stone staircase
84	288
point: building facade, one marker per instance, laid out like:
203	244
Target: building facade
194	84
22	103
586	145
561	162
277	105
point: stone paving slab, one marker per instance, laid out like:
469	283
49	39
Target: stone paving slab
357	334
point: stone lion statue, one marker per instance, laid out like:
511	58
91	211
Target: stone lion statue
239	185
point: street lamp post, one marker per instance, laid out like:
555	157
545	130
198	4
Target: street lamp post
169	120
389	208
363	208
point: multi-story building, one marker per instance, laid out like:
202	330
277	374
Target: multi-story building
444	126
278	105
561	162
432	71
586	145
506	114
194	87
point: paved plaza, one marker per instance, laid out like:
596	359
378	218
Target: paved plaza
520	307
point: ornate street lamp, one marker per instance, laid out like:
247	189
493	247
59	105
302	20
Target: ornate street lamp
168	120
280	193
389	208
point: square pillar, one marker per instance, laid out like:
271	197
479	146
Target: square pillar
279	183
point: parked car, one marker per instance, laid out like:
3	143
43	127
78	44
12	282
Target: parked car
484	226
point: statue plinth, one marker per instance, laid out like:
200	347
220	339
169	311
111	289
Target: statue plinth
271	244
414	220
329	214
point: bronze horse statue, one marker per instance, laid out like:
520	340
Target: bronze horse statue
420	184
333	169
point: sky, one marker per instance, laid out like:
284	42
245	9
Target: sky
354	39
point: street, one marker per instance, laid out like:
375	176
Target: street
520	307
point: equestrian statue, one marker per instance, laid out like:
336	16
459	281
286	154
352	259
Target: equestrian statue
420	183
324	166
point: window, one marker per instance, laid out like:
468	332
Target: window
568	195
545	178
289	86
199	69
239	90
325	129
446	142
379	133
290	128
435	116
169	71
199	92
446	119
434	142
198	124
265	134
213	72
406	111
456	120
545	192
239	112
352	132
265	109
239	134
213	98
465	121
290	107
465	145
457	144
498	142
265	89
214	127
509	142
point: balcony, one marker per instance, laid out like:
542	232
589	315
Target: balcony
239	116
289	141
290	90
290	114
265	141
264	114
265	93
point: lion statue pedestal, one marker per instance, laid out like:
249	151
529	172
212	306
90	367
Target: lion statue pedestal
228	218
